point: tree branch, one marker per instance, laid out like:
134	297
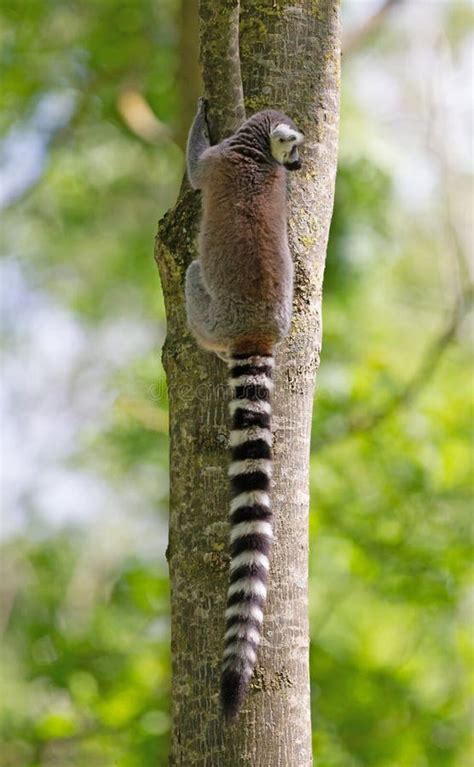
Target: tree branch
220	53
139	117
190	85
290	60
359	37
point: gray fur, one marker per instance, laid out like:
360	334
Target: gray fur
198	142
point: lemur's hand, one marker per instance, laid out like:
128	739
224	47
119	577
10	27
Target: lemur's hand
203	104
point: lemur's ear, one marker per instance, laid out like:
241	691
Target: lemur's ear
283	133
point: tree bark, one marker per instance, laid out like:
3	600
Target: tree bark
289	59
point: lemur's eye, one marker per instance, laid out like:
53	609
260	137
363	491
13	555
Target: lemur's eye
281	140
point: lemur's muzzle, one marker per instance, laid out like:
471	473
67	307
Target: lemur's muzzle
293	162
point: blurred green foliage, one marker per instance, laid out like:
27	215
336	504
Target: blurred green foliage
86	660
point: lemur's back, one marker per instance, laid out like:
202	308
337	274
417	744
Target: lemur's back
243	240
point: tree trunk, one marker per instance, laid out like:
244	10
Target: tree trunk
289	59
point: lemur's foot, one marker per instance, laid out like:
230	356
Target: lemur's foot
223	356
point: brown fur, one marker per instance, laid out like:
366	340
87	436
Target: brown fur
243	285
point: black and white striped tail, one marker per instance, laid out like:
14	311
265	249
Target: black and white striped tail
251	522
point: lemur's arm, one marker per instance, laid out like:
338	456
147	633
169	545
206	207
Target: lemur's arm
198	142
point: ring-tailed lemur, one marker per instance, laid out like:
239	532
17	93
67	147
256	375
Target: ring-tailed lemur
239	303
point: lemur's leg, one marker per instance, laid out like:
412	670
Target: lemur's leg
199	311
198	142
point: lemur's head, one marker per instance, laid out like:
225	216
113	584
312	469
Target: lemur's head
285	139
267	137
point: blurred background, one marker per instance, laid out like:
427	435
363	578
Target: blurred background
92	124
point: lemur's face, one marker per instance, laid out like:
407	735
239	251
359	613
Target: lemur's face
284	143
